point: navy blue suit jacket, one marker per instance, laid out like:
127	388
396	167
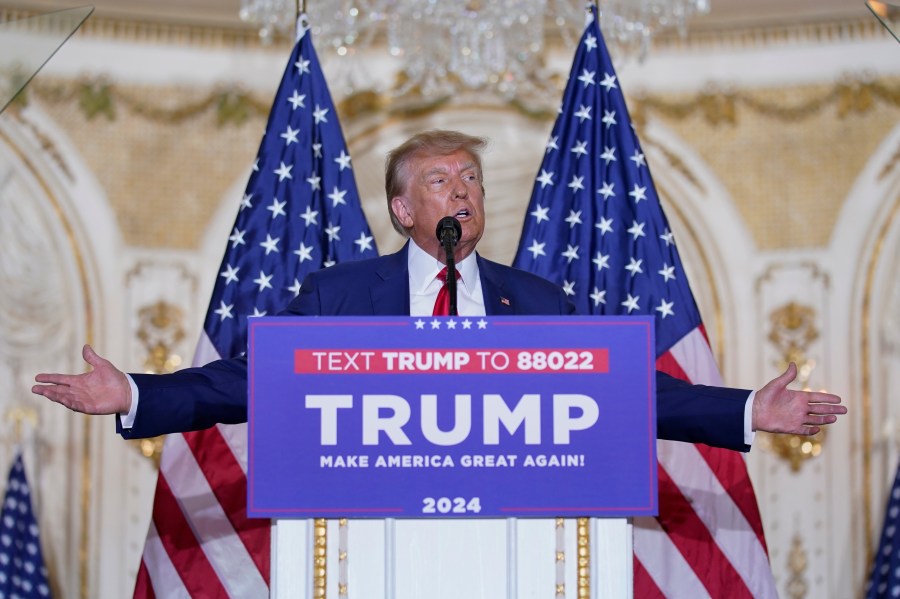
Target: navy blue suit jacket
197	398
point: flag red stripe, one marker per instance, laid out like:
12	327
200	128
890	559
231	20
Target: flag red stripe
229	484
727	466
694	541
644	587
143	587
731	470
187	556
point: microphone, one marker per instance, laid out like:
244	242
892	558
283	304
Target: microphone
448	233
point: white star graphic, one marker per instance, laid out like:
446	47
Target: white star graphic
317	150
545	178
590	41
290	136
605	225
576	183
297	100
451	324
255	166
632	303
332	232
420	324
337	197
257	313
609	118
314	182
230	274
537	249
638	158
435	324
667	237
295	288
277	208
310	216
284	172
634	267
569	287
580	148
343	160
598	296
607	190
665	308
467	324
329	262
551	145
667	272
245	201
638	193
587	77
264	280
482	324
608	155
319	114
237	238
364	242
270	245
302	66
571	253
304	252
574	218
609	81
224	311
601	261
637	229
540	213
583	114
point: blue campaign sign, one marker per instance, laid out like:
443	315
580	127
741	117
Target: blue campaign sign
452	417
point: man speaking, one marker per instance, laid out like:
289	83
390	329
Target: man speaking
431	176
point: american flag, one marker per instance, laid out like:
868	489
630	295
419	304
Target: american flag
300	212
596	227
22	571
884	580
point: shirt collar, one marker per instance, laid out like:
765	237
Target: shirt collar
423	268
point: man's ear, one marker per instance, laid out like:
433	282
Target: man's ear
400	208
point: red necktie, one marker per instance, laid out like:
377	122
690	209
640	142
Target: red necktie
442	302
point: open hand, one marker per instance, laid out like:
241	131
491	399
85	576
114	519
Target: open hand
777	409
103	390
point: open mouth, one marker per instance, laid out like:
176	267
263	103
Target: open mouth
462	213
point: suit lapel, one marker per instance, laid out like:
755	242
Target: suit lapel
390	292
496	302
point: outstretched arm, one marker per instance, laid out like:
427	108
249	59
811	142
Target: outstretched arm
777	409
103	390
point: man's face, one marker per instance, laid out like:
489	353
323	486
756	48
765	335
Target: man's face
440	186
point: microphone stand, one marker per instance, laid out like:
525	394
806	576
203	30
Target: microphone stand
451	273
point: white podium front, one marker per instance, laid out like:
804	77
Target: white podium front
452	559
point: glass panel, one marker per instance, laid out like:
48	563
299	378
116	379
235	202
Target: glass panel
889	15
27	44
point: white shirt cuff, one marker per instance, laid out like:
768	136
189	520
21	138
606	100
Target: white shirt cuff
127	420
749	433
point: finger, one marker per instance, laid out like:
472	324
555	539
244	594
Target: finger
55	378
815	420
90	356
821	397
807	431
788	376
826	408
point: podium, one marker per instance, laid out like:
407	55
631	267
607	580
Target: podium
452	457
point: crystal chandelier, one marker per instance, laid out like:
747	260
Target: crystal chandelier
446	46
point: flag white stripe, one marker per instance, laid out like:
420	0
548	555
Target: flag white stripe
221	544
726	523
163	575
695	357
235	436
663	562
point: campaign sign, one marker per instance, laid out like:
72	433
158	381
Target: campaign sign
443	417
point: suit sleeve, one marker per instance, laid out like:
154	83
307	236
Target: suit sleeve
700	414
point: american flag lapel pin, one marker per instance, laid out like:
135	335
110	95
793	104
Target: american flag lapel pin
504	301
